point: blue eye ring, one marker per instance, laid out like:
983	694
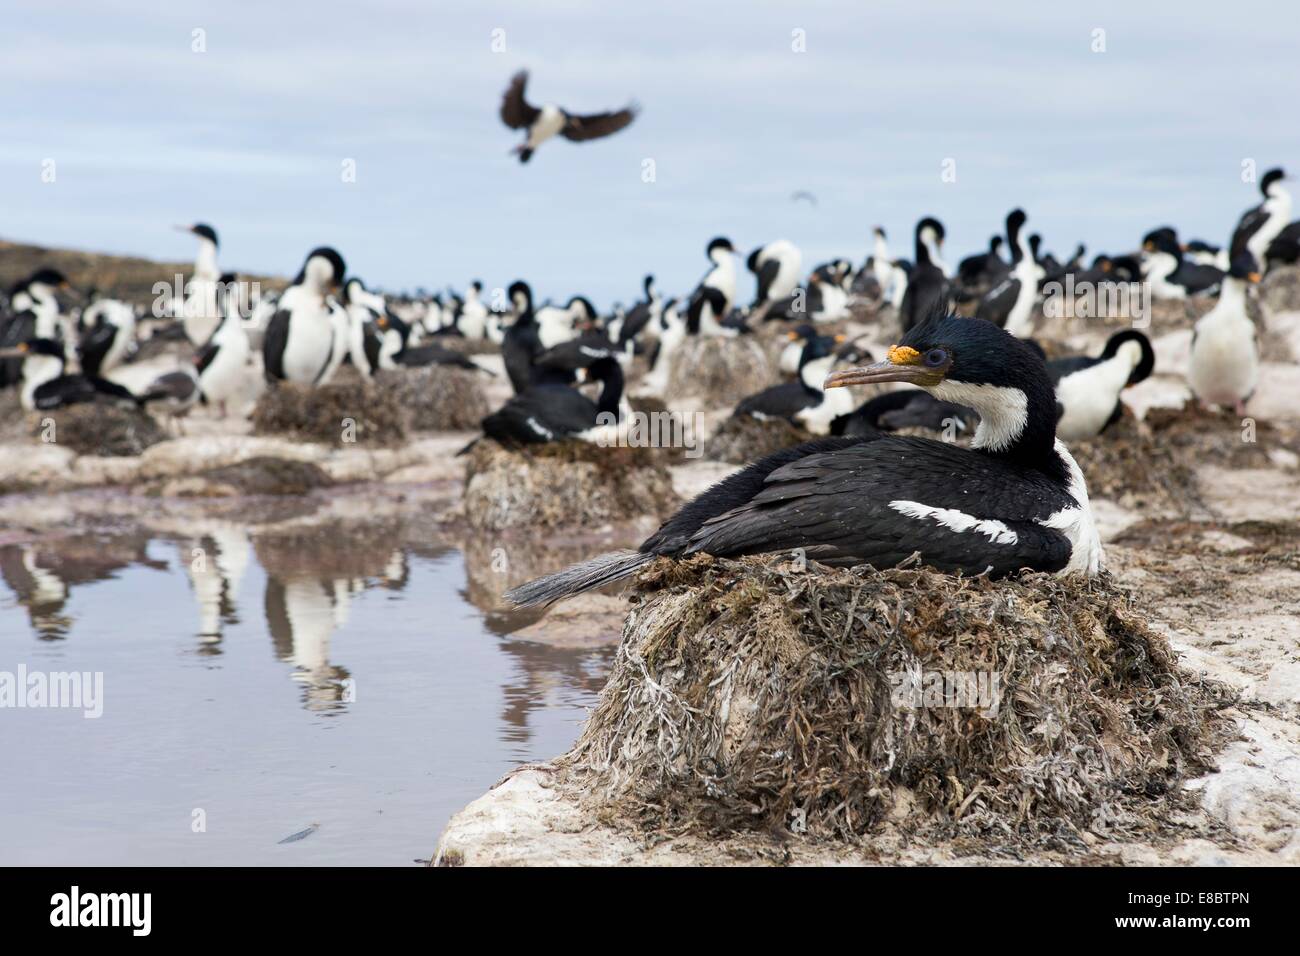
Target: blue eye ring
935	357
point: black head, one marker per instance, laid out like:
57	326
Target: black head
1145	366
995	243
878	231
1015	222
1244	267
50	277
582	305
720	243
337	267
1162	240
818	347
934	225
751	262
975	363
47	347
521	295
204	231
1271	177
802	332
1035	242
648	283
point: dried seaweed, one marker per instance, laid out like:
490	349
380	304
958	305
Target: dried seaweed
756	695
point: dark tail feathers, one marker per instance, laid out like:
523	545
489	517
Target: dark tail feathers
579	578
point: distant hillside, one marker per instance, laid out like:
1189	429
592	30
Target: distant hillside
120	277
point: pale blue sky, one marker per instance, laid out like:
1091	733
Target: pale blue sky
251	134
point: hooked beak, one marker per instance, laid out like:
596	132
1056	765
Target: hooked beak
881	372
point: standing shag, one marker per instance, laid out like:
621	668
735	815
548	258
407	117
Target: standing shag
1259	225
199	311
641	318
1014	500
306	337
1010	303
927	286
776	268
543	123
1224	368
711	301
1088	389
222	361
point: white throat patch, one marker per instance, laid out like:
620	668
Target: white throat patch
1004	411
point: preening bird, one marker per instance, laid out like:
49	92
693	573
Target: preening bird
543	123
1088	388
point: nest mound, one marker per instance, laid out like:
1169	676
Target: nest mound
719	371
1152	464
458	343
741	439
341	413
564	483
438	397
104	430
757	695
1280	290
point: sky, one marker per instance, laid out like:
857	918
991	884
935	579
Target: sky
865	105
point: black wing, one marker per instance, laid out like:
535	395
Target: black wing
14	330
596	125
423	355
1249	224
203	358
779	401
634	322
926	289
767	273
273	345
543	413
94	345
997	305
878	502
582	352
515	110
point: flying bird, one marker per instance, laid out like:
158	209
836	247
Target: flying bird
543	123
802	195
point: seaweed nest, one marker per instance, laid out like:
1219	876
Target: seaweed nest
757	695
458	343
438	397
719	371
1152	464
260	475
564	483
741	439
103	430
341	413
1280	289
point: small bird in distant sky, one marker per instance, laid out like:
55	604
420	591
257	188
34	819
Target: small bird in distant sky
543	123
804	196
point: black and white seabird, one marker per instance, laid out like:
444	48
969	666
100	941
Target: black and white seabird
551	412
710	303
199	311
927	286
776	268
107	336
307	337
222	361
804	401
642	319
1088	388
1168	274
45	386
33	313
391	330
1224	367
1014	500
1260	225
1010	303
543	123
1285	247
907	408
985	269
